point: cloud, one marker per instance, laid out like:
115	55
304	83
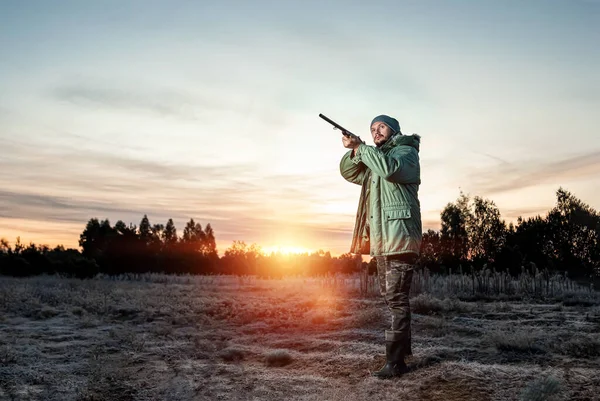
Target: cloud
507	177
495	158
63	186
207	102
229	225
77	166
37	206
512	214
165	103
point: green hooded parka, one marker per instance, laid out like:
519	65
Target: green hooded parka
388	220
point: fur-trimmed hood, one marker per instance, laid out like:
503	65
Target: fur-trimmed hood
413	140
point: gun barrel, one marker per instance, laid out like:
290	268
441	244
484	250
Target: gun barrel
336	125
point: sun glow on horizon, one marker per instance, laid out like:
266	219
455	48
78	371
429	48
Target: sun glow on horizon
286	250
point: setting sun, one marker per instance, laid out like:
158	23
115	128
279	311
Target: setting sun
285	250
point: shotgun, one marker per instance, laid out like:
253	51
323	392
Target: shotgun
345	132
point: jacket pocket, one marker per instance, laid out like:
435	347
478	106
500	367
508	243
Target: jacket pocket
396	235
397	213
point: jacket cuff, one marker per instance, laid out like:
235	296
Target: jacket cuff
356	159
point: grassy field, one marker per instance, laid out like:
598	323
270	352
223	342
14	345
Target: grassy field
229	338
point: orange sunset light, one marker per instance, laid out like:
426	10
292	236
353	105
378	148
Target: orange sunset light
286	250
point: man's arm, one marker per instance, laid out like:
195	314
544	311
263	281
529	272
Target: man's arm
400	166
352	169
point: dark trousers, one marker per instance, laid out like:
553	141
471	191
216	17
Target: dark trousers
395	277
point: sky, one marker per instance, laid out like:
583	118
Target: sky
209	110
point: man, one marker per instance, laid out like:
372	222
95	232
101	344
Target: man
388	223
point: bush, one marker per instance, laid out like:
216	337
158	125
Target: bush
46	312
580	347
231	354
516	342
541	389
278	358
426	304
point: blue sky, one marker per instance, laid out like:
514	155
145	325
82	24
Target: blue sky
209	110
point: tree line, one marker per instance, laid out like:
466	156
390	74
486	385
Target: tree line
473	237
157	248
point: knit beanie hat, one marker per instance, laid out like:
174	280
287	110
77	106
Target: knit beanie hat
389	121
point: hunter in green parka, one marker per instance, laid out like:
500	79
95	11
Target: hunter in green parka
388	221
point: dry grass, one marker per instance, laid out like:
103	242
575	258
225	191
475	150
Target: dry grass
427	304
519	341
155	337
544	389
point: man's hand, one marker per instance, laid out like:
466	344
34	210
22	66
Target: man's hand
351	141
